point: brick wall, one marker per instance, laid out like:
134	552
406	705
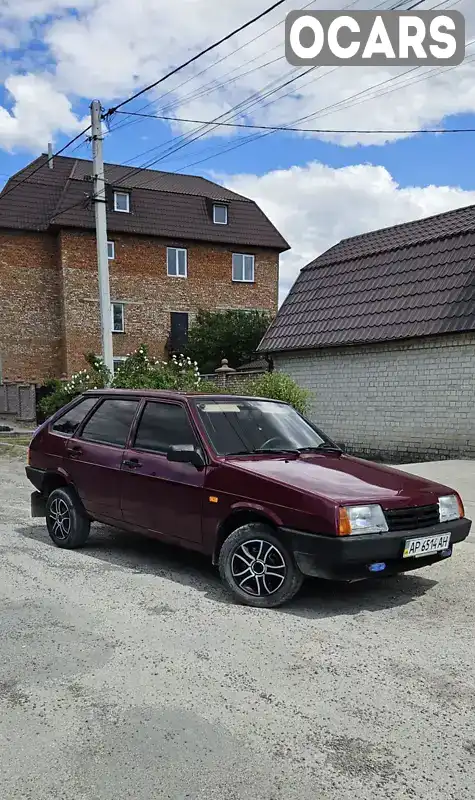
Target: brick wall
405	401
50	305
30	330
138	278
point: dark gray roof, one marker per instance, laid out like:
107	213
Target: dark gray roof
162	204
411	280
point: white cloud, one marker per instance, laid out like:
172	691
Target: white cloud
109	48
24	126
316	206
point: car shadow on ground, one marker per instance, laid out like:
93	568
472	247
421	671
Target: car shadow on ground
317	598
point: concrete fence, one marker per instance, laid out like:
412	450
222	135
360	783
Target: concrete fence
229	380
18	401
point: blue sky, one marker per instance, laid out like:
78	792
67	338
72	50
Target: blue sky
315	189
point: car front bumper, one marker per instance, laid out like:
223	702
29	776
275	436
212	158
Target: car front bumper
350	557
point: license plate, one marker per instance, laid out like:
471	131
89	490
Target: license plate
426	546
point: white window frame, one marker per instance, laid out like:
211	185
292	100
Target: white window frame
111	250
177	250
114	330
217	221
244	279
122	210
117	358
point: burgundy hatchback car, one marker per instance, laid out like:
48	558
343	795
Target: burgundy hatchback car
247	481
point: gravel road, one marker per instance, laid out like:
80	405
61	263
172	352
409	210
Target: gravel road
125	672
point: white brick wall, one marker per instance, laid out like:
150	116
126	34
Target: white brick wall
412	400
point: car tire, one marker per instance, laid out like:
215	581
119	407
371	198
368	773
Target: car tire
271	577
66	521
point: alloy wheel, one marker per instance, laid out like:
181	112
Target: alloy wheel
60	519
258	568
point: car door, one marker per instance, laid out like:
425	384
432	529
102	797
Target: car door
158	496
94	456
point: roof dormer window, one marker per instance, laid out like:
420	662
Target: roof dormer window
220	214
122	202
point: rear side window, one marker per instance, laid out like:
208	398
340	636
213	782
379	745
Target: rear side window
70	422
110	424
162	425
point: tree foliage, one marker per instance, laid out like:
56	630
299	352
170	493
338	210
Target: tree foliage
234	335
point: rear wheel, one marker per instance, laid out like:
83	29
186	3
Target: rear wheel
67	524
257	568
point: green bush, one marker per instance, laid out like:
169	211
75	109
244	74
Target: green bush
279	386
138	371
94	377
180	374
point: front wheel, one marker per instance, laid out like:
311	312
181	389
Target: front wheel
65	519
257	568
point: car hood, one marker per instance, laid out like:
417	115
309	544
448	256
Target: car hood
344	479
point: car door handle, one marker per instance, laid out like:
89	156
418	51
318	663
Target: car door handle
132	463
75	451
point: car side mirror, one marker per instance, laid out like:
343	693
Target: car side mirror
342	446
186	454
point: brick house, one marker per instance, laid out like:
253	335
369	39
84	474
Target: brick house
381	330
178	243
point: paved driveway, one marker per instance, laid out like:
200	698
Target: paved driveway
126	673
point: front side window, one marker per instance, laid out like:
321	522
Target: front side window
110	423
122	202
220	214
70	422
250	426
118	322
177	262
243	268
163	425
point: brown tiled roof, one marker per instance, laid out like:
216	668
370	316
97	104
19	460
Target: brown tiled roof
411	280
162	204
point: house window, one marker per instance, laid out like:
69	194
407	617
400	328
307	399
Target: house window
122	202
243	268
220	214
117	314
177	262
110	250
117	362
179	323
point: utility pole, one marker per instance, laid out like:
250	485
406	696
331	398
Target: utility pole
100	208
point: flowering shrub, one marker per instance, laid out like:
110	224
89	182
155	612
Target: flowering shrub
180	374
60	392
138	371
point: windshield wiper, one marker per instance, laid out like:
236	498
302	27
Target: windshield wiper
266	450
325	446
279	450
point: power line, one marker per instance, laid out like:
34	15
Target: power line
43	164
255	137
196	57
297	130
195	95
245	105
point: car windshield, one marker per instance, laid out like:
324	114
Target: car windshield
240	426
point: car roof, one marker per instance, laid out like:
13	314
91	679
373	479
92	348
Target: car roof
166	394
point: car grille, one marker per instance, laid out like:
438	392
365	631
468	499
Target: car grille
406	519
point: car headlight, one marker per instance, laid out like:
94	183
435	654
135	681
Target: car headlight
361	519
450	508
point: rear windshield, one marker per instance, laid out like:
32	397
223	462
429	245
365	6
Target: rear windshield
248	426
